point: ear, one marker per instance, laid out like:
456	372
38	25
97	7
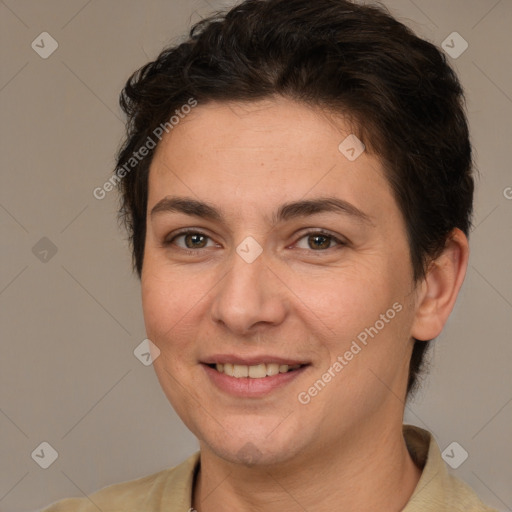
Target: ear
439	289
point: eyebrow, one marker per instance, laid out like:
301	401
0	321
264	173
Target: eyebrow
287	211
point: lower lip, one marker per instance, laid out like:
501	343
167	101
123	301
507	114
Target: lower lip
246	387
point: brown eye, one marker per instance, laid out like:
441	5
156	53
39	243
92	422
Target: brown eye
195	240
317	242
190	240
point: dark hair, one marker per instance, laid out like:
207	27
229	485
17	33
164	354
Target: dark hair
404	101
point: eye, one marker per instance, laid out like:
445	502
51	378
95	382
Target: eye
318	241
190	239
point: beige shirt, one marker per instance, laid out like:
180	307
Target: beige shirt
171	490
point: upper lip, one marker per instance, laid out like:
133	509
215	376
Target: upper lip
252	360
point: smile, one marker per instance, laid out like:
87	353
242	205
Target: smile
254	380
257	371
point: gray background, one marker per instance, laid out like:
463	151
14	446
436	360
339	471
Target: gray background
70	321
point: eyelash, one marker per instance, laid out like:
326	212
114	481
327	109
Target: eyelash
194	252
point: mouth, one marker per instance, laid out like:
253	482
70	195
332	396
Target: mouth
255	371
255	380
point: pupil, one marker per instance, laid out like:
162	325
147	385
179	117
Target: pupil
192	241
317	242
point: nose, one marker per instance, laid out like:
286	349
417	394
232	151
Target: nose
250	296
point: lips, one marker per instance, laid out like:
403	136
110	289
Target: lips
252	377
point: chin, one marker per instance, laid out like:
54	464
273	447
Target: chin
252	453
262	446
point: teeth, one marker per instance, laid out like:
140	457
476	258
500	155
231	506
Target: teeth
257	371
240	371
272	369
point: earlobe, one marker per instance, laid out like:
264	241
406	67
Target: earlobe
440	287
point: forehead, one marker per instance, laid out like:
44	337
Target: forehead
253	152
266	126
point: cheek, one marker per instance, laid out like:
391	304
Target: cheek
345	301
362	318
167	304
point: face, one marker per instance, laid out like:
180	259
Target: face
268	250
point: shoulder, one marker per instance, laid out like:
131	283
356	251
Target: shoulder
158	491
114	497
466	499
437	490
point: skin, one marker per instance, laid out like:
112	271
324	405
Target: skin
344	450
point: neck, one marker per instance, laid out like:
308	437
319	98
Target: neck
365	472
